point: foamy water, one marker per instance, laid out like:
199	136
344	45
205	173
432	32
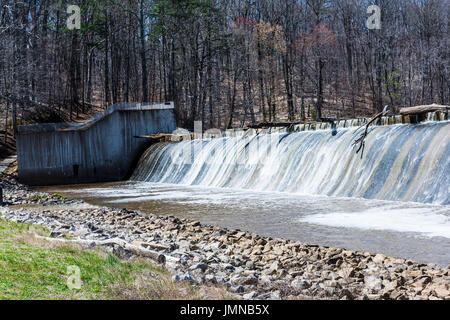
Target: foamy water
402	229
426	222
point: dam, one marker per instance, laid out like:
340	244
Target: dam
403	162
309	186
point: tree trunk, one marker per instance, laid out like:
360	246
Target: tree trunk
143	53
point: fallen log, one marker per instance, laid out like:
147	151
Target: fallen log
265	125
152	245
423	109
138	251
155	136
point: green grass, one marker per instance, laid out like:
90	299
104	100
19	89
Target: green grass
56	196
35	269
37	197
59	196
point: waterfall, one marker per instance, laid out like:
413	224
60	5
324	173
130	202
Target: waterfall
400	162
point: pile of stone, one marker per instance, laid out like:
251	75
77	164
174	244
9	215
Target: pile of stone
249	265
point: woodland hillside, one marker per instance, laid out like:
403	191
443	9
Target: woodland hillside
228	63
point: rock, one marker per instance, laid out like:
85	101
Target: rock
238	270
335	260
274	267
442	291
183	277
221	279
250	280
300	284
55	234
237	289
332	284
275	295
372	297
183	245
265	279
390	285
379	259
422	282
227	266
398	295
345	294
198	276
236	279
261	242
347	273
373	283
224	258
250	296
263	296
212	246
278	251
412	273
245	281
315	257
210	278
330	291
295	273
200	266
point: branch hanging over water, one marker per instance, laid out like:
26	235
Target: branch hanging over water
362	139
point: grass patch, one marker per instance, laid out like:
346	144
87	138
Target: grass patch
37	197
55	196
59	196
32	268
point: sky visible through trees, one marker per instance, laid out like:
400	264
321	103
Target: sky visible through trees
227	63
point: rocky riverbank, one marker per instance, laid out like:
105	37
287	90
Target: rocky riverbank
249	266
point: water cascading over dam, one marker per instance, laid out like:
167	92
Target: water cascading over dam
401	162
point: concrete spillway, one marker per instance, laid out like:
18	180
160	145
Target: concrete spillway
400	162
103	148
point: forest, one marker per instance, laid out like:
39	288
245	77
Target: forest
227	63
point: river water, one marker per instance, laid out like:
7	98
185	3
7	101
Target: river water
416	231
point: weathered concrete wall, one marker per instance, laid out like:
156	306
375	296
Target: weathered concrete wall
101	149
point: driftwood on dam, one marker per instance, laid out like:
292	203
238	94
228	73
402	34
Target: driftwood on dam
159	136
362	139
266	125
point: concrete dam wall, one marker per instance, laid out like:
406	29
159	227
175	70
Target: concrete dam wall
101	149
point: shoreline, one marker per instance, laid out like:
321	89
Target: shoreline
249	266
